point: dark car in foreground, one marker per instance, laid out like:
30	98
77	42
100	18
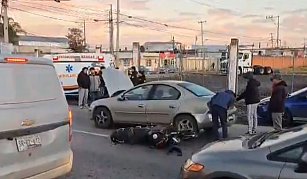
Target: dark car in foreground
295	109
271	155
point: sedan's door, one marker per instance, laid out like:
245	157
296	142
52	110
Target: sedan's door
163	104
299	107
130	108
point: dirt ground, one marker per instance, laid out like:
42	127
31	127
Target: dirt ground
219	82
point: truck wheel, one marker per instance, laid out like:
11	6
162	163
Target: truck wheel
268	70
261	71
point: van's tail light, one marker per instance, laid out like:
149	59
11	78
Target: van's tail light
55	59
16	60
101	59
70	118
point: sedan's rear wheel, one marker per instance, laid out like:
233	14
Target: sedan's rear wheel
103	118
186	123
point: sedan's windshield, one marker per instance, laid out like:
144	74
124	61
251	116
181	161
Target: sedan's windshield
197	90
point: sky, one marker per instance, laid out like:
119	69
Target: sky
225	19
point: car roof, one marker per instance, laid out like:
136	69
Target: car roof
31	60
167	82
299	92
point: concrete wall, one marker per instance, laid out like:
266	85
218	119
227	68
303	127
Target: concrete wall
279	62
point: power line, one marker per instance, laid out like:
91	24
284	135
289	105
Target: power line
50	17
64	11
185	28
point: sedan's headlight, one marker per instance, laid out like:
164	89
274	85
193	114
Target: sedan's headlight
193	167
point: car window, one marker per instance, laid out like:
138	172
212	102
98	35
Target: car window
197	90
164	92
139	93
291	154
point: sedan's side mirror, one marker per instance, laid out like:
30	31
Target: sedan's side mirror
121	98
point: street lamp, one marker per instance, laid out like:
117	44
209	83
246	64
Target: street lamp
272	18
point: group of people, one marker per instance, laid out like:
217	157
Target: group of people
223	101
91	86
137	77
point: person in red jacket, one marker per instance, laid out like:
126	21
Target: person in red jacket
277	101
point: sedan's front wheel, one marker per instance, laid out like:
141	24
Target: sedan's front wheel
103	118
186	123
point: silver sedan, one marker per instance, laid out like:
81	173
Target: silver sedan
272	155
182	104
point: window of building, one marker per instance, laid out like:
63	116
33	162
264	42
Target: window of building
148	63
126	62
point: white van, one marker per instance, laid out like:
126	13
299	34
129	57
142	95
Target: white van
36	124
69	65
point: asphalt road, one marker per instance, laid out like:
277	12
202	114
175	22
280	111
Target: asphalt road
95	156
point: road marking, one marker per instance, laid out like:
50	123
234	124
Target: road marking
92	133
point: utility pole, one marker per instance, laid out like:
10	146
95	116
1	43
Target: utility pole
5	21
173	41
272	40
111	30
278	25
84	33
277	31
202	47
117	34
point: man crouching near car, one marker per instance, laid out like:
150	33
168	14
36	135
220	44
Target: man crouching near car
219	105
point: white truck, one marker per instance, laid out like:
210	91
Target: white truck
245	64
69	65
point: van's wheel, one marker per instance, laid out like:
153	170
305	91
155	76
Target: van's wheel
103	118
287	119
186	123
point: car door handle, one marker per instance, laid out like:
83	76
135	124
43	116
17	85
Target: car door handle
141	105
172	107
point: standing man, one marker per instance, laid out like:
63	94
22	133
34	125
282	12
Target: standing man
252	98
277	101
102	83
134	76
84	85
142	77
94	84
219	105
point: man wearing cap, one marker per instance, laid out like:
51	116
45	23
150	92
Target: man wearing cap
252	98
277	101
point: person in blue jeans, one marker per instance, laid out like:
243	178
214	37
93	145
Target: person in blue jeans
219	105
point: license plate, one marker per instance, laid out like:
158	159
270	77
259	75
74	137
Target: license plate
28	142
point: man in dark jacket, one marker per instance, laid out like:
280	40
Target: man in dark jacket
219	105
277	101
252	98
103	89
84	85
142	77
134	76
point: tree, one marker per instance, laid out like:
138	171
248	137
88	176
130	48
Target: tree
14	29
76	40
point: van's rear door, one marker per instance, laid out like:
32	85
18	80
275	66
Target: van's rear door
34	130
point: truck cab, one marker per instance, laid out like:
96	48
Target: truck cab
244	63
